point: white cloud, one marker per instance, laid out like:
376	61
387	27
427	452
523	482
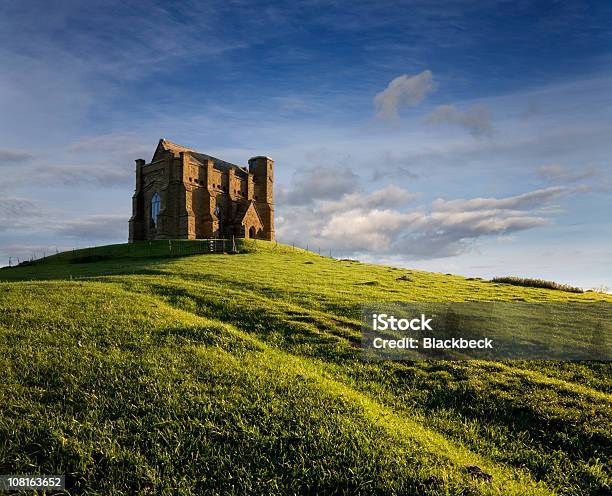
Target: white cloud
372	223
476	120
403	91
390	196
368	230
525	200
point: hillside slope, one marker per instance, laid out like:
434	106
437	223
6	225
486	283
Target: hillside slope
239	374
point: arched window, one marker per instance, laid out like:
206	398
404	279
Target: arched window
155	208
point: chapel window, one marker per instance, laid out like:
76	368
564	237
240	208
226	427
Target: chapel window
155	204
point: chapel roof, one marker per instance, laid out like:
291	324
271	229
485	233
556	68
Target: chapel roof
200	157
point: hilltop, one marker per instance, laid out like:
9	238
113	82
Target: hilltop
240	374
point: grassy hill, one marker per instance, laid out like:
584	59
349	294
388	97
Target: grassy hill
240	374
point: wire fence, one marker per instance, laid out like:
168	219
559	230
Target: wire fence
144	249
163	249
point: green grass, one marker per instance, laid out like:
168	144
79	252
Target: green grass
142	249
239	374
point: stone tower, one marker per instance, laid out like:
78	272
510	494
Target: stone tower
262	169
183	194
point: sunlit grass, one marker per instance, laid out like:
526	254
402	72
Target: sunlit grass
238	374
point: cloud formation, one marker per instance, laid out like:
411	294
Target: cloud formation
318	183
103	161
118	174
14	212
475	120
94	227
379	223
403	91
526	200
390	196
556	172
12	157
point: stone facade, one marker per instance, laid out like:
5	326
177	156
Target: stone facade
183	194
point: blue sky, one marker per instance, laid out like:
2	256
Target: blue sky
464	136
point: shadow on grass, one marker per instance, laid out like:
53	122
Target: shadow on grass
115	267
303	334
